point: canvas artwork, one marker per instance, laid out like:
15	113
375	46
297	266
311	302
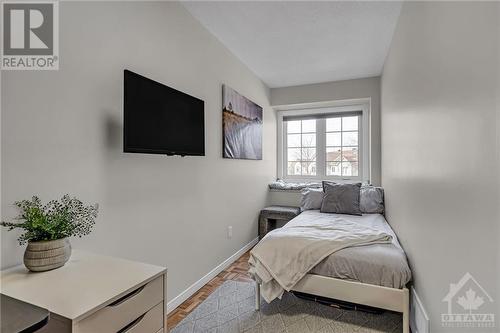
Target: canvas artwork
242	126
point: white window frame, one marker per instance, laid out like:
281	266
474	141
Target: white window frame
334	108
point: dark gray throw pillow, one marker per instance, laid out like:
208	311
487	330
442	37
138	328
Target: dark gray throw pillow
341	198
326	182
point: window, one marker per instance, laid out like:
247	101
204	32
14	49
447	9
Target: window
342	146
301	147
327	143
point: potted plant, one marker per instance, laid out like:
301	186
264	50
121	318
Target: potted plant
48	227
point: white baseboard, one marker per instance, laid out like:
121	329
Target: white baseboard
419	320
179	299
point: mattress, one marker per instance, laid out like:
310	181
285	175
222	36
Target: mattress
378	264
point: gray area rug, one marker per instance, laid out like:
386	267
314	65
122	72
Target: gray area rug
230	309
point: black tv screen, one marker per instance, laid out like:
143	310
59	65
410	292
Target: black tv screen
161	120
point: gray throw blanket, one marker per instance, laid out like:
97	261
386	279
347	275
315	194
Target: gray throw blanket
287	186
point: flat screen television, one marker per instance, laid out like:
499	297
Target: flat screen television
161	120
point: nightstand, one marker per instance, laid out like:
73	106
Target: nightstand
273	217
93	293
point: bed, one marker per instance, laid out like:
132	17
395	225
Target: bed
375	275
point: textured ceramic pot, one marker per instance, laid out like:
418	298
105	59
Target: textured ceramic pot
46	255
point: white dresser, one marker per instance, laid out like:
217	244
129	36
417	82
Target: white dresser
94	294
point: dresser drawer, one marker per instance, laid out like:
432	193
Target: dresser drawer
123	311
150	322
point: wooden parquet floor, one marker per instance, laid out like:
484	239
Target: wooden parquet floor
237	271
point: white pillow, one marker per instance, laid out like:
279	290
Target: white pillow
371	199
311	198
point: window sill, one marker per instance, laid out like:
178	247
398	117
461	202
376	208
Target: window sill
296	185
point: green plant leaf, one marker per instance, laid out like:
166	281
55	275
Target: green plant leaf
55	220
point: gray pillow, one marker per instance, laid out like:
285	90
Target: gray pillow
371	200
326	182
341	198
311	198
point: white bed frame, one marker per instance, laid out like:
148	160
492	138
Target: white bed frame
355	292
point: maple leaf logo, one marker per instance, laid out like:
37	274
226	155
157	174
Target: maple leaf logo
470	301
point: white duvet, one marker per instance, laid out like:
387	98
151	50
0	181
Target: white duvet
286	255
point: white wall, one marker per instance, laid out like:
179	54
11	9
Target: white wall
439	150
340	90
62	133
284	198
498	132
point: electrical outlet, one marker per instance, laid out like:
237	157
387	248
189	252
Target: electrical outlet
230	232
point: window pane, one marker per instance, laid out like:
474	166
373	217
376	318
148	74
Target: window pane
308	126
341	151
293	154
349	138
309	168
308	154
333	169
308	140
333	124
333	139
350	169
293	126
350	123
349	154
294	168
333	154
293	140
